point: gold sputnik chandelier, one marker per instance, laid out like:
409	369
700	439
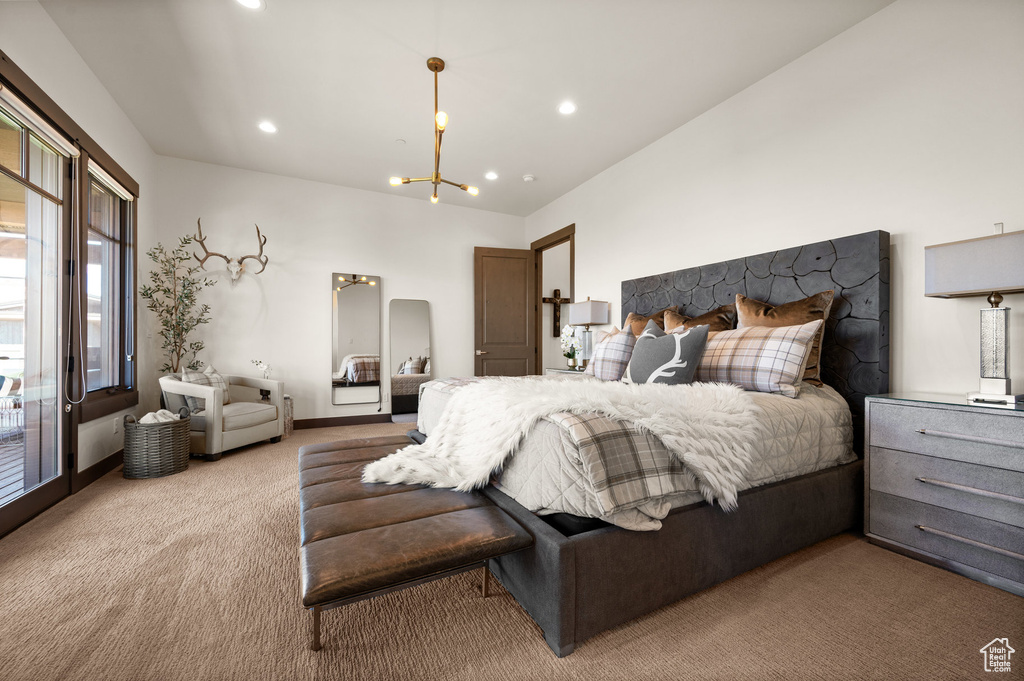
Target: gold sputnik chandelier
436	64
354	281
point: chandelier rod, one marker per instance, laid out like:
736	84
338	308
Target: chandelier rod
437	140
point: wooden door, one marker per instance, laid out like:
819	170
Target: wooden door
505	296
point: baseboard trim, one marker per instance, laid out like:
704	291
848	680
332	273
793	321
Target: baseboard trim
80	480
303	424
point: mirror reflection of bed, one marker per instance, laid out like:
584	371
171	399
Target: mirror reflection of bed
410	352
355	373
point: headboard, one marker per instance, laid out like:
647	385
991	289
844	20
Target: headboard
855	348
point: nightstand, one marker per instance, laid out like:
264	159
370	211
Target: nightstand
944	483
563	372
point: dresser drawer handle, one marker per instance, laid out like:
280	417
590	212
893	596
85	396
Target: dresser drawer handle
972	438
972	490
972	542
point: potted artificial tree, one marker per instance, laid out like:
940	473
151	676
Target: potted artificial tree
172	295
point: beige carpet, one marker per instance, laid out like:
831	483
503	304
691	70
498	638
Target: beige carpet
196	576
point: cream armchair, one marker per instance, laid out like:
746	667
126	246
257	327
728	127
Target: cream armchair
220	427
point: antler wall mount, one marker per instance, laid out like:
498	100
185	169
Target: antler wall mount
236	266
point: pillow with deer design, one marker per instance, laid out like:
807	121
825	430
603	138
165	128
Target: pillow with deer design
671	358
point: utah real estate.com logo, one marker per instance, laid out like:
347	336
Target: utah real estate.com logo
997	655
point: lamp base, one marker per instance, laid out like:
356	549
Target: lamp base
996	400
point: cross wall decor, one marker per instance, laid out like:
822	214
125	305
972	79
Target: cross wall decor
558	302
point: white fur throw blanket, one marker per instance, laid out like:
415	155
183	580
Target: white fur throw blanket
708	427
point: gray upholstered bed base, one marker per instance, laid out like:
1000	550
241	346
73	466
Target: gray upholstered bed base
576	587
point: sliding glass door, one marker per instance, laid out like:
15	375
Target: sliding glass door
32	186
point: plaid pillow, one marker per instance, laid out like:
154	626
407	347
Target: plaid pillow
765	359
412	366
198	378
611	356
218	381
208	377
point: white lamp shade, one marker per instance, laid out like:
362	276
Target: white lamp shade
588	312
975	267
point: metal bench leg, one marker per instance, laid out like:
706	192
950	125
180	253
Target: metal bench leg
485	589
316	628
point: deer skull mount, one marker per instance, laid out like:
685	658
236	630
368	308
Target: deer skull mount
236	266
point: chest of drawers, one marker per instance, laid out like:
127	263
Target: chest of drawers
944	483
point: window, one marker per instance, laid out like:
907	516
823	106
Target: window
102	277
107	261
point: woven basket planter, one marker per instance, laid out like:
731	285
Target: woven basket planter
153	450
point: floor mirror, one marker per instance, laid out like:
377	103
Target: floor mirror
355	375
410	352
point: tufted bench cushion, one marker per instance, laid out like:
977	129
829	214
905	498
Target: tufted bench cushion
361	540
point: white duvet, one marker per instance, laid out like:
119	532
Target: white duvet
795	437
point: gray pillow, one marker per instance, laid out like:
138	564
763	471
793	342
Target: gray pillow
670	358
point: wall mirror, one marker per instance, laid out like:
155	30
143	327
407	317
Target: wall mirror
355	373
410	352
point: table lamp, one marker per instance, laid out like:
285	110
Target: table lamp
987	266
584	314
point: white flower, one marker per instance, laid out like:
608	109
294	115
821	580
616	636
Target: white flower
262	366
570	342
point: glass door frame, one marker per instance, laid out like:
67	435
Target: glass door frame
30	504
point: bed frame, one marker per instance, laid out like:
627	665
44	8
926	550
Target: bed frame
576	586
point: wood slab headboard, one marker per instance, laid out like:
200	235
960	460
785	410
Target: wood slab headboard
855	348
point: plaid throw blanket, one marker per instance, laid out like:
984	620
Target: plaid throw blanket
363	369
450	385
621	463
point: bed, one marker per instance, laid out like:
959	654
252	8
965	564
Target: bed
358	370
405	392
551	473
584	576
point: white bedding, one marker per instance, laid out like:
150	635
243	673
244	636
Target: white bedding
796	436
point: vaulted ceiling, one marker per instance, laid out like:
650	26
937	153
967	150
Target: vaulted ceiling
344	81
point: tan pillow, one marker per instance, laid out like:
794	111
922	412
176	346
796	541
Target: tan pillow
721	319
636	322
755	313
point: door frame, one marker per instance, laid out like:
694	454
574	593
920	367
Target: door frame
30	504
564	235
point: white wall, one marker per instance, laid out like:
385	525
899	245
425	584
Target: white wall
39	48
554	274
909	122
283	315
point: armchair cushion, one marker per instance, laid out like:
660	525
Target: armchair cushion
239	415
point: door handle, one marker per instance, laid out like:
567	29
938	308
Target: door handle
481	352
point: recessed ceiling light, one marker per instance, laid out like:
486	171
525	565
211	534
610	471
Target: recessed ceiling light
252	4
491	175
566	108
267	126
528	178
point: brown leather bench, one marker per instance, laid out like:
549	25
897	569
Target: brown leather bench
364	540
